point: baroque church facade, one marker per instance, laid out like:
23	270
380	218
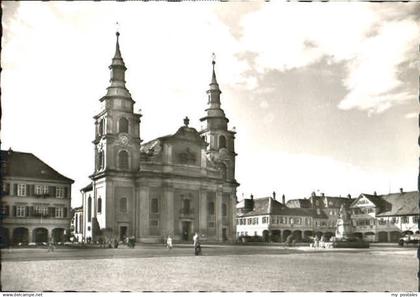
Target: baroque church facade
173	185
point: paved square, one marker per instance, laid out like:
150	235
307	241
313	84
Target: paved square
220	269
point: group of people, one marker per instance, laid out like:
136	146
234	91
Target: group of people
196	244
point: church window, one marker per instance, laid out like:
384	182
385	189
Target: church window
123	204
89	209
123	160
123	125
186	206
222	141
99	205
224	209
154	205
210	208
100	160
101	126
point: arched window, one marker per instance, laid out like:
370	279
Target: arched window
123	205
222	141
101	126
123	125
123	160
100	160
186	205
89	209
155	205
99	205
210	208
224	209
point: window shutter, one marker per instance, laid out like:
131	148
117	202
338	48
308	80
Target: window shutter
65	212
51	211
26	211
66	192
31	211
51	192
14	210
6	210
28	189
14	189
32	190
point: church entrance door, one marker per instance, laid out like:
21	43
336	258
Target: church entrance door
186	230
123	233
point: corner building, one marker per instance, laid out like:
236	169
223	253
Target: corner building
172	185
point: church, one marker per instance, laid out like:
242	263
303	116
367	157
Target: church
173	185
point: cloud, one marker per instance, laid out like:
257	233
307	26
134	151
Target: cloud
297	175
411	115
372	41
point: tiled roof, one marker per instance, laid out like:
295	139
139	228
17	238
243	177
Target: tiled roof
27	165
299	203
324	202
87	188
268	205
406	203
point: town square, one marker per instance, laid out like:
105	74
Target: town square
212	147
220	268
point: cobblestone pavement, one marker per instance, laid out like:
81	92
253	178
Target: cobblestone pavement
221	268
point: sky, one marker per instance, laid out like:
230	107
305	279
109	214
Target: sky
323	96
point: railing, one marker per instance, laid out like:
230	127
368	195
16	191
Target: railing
186	212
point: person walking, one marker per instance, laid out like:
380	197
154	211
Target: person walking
50	245
197	246
169	242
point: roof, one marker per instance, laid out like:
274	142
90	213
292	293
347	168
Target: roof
87	188
299	203
405	203
268	205
324	202
27	165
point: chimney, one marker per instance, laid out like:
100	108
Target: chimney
401	190
374	194
252	197
349	196
274	195
283	199
322	194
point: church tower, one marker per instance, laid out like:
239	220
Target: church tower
221	141
117	152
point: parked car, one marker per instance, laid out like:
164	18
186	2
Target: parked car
409	238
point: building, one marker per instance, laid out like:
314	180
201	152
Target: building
327	209
274	221
385	218
35	203
77	224
172	185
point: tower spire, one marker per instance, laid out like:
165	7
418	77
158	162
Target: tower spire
117	47
213	78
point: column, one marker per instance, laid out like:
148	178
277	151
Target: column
30	234
144	211
202	215
170	220
218	206
137	212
